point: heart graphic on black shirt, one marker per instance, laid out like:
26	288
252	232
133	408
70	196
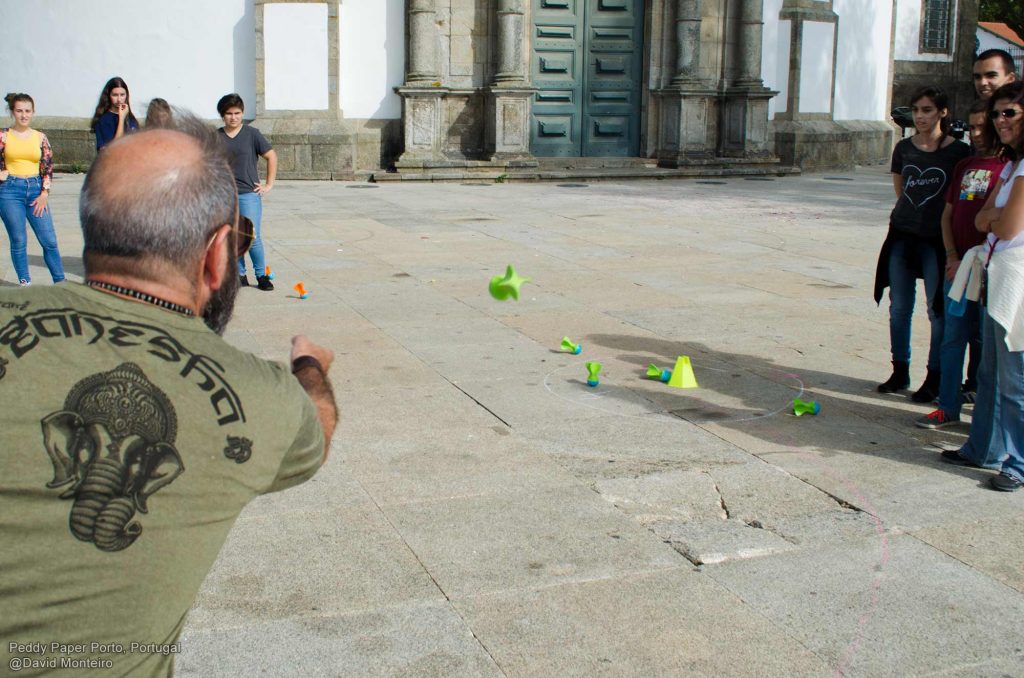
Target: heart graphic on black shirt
920	187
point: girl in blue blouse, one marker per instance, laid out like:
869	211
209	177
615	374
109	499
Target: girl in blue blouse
113	116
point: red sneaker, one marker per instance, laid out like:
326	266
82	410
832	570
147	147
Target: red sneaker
936	419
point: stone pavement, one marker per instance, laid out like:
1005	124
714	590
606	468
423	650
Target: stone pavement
486	513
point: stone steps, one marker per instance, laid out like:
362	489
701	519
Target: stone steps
559	170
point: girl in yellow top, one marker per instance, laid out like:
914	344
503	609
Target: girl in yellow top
26	170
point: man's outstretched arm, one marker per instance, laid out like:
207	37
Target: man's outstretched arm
310	364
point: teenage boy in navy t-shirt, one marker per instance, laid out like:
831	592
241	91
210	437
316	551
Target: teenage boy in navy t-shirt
972	180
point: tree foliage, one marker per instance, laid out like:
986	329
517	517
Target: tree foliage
1009	12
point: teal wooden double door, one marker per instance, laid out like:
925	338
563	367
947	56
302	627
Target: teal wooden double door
586	63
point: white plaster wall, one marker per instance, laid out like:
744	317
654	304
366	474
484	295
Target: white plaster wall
988	40
908	33
862	59
775	56
189	52
816	61
372	54
295	56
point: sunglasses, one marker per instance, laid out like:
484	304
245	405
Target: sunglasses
244	235
1005	113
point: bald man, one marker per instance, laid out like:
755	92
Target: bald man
131	434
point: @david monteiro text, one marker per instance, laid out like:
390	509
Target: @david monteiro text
57	655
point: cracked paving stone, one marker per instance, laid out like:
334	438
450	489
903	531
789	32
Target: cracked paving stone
658	497
707	542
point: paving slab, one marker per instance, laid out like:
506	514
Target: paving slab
890	601
527	539
453	465
425	639
645	625
992	545
313	576
907	489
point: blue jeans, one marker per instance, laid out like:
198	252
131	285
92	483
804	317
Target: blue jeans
957	333
997	424
16	196
902	290
251	205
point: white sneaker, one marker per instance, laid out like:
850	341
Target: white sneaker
24	283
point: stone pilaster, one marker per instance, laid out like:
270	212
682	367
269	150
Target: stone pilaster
423	65
507	130
311	143
806	133
745	112
422	94
688	121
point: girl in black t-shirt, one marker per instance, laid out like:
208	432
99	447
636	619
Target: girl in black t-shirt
921	168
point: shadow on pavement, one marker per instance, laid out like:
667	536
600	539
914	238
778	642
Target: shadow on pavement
753	396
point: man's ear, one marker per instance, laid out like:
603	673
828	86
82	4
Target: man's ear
216	257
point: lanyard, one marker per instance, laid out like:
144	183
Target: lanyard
991	251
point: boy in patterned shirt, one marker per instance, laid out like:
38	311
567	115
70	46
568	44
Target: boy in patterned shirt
972	180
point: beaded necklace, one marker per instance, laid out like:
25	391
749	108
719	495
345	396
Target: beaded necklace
141	296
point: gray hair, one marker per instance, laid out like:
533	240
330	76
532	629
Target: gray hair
169	215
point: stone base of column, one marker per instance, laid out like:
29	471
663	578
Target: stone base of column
423	117
745	123
507	127
688	127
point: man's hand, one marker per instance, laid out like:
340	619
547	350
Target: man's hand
261	189
302	345
316	383
4	174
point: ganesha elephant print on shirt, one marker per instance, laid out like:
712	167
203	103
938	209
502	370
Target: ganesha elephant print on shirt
113	447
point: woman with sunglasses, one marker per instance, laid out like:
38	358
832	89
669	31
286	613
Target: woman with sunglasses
921	169
997	426
26	170
113	116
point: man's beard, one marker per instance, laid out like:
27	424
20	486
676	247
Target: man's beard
218	310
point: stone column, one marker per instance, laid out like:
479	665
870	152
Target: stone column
687	40
507	130
688	111
422	93
745	112
511	67
423	66
749	38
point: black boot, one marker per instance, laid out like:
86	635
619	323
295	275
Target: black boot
929	390
899	380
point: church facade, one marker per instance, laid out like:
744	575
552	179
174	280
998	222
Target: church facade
344	88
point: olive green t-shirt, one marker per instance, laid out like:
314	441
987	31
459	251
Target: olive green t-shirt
130	439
